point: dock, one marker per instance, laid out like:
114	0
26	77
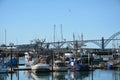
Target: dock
116	67
16	69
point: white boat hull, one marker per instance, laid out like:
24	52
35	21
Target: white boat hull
40	67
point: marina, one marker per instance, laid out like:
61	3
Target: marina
96	72
59	40
39	62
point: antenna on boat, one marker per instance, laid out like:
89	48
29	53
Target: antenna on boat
5	37
73	37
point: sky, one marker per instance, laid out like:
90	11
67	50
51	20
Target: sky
26	20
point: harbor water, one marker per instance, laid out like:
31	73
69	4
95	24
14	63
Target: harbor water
97	74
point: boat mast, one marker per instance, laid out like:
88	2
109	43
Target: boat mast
61	33
53	51
5	37
54	31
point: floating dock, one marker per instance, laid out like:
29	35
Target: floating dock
15	69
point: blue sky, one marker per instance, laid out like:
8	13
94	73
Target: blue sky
25	20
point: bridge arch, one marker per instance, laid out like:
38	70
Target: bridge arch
110	38
94	42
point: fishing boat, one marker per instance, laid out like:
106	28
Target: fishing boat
59	66
41	66
3	70
10	62
77	65
37	64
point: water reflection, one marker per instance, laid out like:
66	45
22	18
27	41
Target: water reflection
27	74
3	76
116	75
58	75
40	76
84	75
77	75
